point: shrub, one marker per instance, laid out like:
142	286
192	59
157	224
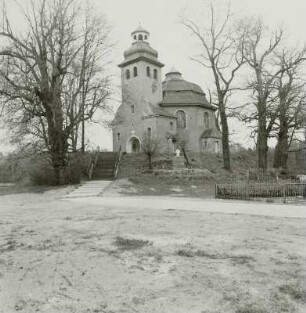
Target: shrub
76	168
41	172
130	244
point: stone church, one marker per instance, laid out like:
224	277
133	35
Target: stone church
170	111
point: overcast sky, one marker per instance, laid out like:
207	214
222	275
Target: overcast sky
173	41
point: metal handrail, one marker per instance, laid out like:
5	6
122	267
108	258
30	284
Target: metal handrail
117	163
92	163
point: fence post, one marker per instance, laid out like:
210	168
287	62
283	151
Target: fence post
284	193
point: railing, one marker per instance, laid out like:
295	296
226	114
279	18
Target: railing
246	191
117	163
92	163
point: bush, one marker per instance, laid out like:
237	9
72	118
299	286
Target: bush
41	172
76	168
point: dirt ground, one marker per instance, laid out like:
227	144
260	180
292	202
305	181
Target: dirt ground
69	256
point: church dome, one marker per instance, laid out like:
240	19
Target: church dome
177	91
175	82
140	47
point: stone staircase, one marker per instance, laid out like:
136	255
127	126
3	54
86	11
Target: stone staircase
89	189
102	176
105	167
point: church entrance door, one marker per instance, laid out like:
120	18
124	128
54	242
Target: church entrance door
134	145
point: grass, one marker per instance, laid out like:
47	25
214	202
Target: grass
252	308
16	189
130	244
188	251
296	292
185	252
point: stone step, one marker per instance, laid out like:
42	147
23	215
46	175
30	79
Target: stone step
89	189
179	163
104	160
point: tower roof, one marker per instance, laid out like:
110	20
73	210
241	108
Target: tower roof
177	91
173	71
139	29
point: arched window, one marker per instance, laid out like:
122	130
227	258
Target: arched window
206	120
171	125
181	119
146	37
132	108
155	74
135	37
140	37
148	71
127	74
135	71
118	136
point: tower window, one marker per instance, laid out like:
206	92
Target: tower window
132	108
127	74
146	37
149	132
135	71
155	74
140	38
181	119
171	125
135	37
217	149
206	120
118	136
148	72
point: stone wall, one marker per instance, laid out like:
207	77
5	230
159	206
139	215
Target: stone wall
135	164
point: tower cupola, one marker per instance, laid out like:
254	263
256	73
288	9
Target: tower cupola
140	35
140	49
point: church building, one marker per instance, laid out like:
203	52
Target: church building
170	111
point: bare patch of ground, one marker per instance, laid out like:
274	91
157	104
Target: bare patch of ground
58	256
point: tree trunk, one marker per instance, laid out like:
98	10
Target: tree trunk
262	136
225	140
262	149
281	148
57	141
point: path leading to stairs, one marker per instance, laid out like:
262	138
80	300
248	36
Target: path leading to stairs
92	188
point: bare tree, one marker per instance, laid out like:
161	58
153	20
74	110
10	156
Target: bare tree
52	78
260	49
150	146
221	54
258	57
291	96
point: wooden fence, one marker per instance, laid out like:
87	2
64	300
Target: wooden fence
246	191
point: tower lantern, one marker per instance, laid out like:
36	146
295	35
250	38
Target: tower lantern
140	35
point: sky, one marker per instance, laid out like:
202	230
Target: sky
174	42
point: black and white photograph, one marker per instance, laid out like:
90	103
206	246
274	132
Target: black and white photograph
152	156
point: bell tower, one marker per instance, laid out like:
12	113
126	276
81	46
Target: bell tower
141	85
141	71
